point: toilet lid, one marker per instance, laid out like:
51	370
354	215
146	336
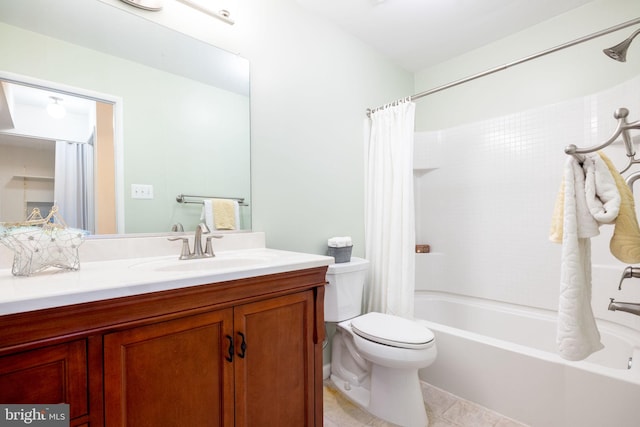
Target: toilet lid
392	330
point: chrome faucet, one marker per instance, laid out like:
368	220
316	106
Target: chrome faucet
186	253
628	273
633	308
177	227
197	241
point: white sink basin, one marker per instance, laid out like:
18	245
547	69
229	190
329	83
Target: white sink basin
213	264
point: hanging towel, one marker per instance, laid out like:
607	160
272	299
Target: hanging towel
555	235
589	191
224	214
221	214
625	243
601	191
602	199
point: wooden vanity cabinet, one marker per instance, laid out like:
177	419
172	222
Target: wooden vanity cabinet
48	375
274	373
171	373
240	353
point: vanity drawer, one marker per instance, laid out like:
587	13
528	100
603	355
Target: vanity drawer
48	375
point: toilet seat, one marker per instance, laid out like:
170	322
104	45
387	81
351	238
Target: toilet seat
392	330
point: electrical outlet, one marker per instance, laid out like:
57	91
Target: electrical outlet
141	191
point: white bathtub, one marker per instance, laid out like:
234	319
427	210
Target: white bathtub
503	357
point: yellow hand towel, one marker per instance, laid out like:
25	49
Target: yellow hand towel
224	214
555	235
625	243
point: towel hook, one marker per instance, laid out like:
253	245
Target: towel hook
622	128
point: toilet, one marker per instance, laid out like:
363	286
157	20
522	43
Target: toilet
375	357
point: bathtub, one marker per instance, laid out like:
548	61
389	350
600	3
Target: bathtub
502	356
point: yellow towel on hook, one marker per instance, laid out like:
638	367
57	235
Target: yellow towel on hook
625	243
224	214
555	235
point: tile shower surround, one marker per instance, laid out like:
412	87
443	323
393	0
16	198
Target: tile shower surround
485	193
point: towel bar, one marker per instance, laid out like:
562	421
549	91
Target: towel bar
182	198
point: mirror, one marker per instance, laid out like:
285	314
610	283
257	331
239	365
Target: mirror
179	108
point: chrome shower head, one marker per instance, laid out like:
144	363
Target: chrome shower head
619	51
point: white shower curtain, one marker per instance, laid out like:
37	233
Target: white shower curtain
73	184
389	210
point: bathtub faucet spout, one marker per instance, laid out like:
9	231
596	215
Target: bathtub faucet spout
629	307
628	273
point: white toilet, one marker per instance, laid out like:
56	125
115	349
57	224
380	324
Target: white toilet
375	357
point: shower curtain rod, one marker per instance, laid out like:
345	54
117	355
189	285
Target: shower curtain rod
517	62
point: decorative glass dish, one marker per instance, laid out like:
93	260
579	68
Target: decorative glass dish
41	242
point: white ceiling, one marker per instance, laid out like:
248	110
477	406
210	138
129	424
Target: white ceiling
29	124
416	34
40	98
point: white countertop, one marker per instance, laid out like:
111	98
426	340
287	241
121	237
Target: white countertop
99	280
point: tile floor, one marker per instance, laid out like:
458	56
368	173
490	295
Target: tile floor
443	409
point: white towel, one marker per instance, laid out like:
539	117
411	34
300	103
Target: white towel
208	217
601	191
584	201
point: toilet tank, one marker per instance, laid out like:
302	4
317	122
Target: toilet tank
343	292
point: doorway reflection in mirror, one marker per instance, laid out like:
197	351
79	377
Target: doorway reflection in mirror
47	159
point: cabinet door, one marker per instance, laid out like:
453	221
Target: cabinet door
55	374
172	373
274	372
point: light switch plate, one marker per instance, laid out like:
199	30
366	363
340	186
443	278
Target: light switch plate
141	191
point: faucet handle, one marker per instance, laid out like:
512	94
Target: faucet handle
208	250
185	252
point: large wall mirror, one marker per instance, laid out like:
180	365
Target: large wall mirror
152	112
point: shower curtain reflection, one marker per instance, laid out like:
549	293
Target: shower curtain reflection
73	188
